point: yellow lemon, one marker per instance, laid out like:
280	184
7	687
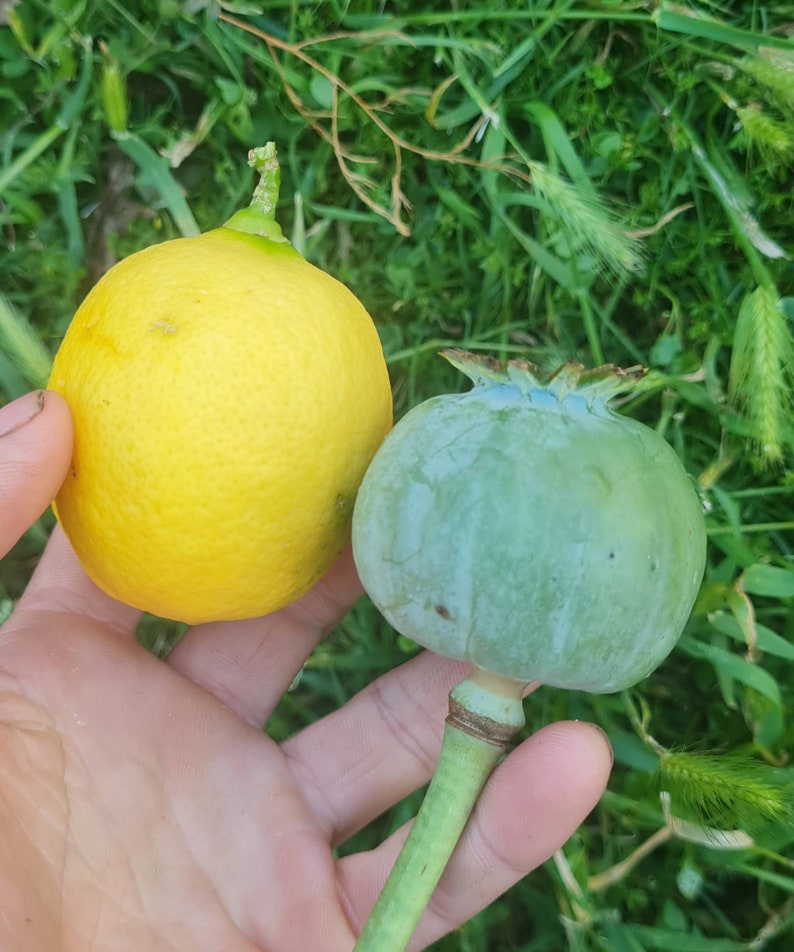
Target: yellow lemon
227	399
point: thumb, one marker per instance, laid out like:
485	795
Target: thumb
35	449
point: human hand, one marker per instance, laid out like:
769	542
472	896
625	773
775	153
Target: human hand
142	807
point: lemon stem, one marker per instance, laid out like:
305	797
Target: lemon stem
264	160
484	712
260	216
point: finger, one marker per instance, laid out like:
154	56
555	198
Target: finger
35	448
59	584
382	745
249	664
533	802
35	453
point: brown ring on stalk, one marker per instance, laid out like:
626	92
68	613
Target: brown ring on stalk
477	725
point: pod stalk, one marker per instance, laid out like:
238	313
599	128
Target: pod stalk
485	712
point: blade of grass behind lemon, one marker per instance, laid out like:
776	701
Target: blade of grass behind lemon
66	195
155	172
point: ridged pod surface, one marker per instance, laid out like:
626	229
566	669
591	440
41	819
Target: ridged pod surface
528	528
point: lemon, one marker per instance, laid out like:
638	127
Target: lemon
227	398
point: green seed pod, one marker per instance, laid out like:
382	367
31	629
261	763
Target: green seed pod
526	527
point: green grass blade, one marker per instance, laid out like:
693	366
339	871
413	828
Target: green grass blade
557	269
778	880
28	155
12	383
73	103
156	173
734	667
767	641
68	203
768	580
674	18
558	143
732	197
663	940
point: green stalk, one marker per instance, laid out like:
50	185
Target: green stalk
485	711
260	216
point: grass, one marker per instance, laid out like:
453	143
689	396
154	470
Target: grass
596	180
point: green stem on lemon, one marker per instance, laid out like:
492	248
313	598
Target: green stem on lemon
260	216
485	711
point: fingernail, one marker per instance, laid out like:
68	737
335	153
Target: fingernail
20	411
607	741
605	737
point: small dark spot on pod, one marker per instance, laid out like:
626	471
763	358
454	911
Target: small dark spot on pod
443	612
612	555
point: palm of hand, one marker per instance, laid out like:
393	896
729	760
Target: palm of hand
143	807
141	793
